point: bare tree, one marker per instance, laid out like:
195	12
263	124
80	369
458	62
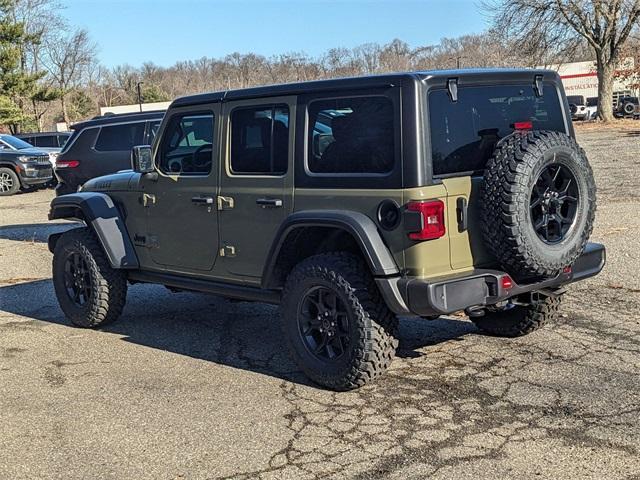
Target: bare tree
557	26
68	59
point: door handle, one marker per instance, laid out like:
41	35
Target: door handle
202	200
269	202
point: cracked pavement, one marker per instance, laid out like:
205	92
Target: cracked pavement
188	386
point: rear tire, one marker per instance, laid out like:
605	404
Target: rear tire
331	299
9	182
91	293
519	320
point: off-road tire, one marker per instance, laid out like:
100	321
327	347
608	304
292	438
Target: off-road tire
508	230
373	326
519	320
109	286
10	175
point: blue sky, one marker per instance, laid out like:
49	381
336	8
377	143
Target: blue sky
165	31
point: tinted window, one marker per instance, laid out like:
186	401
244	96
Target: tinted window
120	137
260	140
30	140
62	140
187	145
464	133
46	141
351	135
14	142
153	130
575	99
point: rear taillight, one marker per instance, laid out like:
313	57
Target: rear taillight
432	213
523	125
67	163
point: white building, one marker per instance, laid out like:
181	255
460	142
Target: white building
146	107
580	78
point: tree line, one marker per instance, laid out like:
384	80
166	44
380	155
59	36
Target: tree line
50	72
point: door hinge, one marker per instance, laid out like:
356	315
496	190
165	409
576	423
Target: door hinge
228	251
225	203
148	199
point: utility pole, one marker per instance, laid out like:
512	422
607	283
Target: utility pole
139	94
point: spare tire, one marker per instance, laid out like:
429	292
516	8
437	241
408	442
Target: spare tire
573	108
538	203
629	108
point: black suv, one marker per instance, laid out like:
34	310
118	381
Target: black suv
21	165
101	146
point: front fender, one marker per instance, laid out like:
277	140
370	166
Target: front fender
99	212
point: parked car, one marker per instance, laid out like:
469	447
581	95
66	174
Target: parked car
347	202
22	166
592	108
52	142
101	146
578	107
627	106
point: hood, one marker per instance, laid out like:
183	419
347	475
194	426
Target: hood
121	181
29	152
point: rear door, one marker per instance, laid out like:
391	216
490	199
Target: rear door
256	182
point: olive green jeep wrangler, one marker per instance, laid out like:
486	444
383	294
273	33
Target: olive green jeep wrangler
347	202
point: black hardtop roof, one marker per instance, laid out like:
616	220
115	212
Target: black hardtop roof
39	134
118	118
432	77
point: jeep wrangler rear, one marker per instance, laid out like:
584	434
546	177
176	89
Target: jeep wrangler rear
347	202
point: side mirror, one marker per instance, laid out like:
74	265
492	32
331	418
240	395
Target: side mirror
141	159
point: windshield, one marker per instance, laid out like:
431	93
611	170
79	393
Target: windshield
15	143
464	133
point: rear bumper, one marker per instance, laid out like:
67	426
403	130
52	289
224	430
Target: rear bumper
438	296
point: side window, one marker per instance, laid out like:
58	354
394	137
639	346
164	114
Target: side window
30	140
260	140
154	126
62	140
47	141
187	145
114	138
351	135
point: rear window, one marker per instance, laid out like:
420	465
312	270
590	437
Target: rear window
122	137
464	133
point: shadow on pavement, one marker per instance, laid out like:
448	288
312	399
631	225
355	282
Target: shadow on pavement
34	232
242	335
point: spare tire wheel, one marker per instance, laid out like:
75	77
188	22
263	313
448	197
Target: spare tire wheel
538	203
629	108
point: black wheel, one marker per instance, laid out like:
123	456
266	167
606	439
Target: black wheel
9	182
90	292
538	203
518	320
339	330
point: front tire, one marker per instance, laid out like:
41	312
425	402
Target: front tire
338	328
520	320
9	182
91	293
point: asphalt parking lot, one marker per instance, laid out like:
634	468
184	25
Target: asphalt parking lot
187	386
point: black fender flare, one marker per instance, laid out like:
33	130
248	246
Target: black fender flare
99	213
361	227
